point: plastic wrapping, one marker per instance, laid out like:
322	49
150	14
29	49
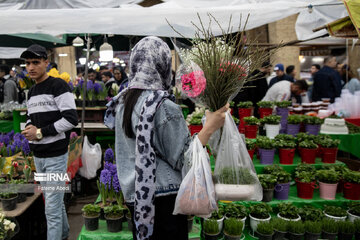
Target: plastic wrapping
235	174
91	159
196	195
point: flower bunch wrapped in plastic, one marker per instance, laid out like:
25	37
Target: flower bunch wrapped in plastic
7	227
25	81
55	73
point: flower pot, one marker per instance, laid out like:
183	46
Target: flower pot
234	192
211	236
9	204
251	153
308	155
340	186
101	103
244	112
78	103
329	155
294	236
352	191
305	190
278	235
292	129
319	151
357	235
283	112
268	195
102	214
327	190
195	129
272	130
229	237
336	219
190	224
352	217
263	236
251	131
263	112
129	222
312	129
329	236
21	197
255	221
289	219
282	191
312	236
345	236
266	156
114	224
286	155
91	223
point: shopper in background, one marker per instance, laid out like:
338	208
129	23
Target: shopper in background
280	75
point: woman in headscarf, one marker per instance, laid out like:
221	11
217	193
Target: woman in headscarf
151	140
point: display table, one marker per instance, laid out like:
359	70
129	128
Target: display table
349	143
21	207
6	126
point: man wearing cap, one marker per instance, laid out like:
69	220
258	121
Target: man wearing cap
280	75
284	90
51	115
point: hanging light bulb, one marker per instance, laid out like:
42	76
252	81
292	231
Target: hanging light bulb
310	8
78	42
106	52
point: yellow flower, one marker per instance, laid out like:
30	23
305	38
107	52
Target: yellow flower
54	73
22	84
65	76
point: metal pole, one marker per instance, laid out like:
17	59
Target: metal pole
84	85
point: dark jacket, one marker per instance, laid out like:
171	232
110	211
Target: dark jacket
278	79
327	84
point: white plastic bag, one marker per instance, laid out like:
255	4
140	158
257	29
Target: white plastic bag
196	195
234	172
91	159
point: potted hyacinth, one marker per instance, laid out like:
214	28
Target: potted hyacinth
236	211
308	151
293	124
114	215
283	111
265	231
353	211
296	230
259	212
194	120
272	125
251	126
8	200
101	93
91	215
245	110
265	108
268	182
351	185
280	228
335	213
329	229
283	185
288	212
266	148
328	181
250	146
329	148
312	124
90	94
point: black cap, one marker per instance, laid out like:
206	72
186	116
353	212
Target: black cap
34	51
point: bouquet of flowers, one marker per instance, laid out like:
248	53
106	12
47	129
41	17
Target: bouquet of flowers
25	81
7	227
55	73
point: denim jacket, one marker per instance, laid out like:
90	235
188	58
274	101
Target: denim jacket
171	141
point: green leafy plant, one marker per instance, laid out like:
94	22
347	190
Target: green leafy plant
288	210
234	210
308	144
304	136
304	167
319	138
265	142
327	176
114	211
295	119
351	176
305	177
279	224
236	120
340	169
211	227
250	144
246	104
7	195
285	137
330	143
272	169
251	120
296	227
268	181
196	119
283	104
285	144
265	104
313	227
335	211
271	119
357	225
265	228
229	175
91	210
329	226
260	210
232	104
233	227
354	208
312	120
218	214
310	213
282	176
346	227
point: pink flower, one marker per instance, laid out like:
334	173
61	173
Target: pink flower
233	67
193	84
15	164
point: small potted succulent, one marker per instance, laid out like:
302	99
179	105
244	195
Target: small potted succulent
312	124
354	211
346	230
328	181
268	182
351	185
288	212
310	213
251	126
265	231
286	151
91	213
211	229
250	146
237	211
280	228
282	110
329	148
233	229
308	150
272	125
114	215
218	215
357	229
305	184
296	230
293	124
259	213
312	230
283	185
329	229
267	149
335	213
245	110
265	108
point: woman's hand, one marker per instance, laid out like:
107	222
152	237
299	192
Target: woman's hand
214	121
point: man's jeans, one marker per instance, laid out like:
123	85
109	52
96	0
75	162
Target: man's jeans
56	218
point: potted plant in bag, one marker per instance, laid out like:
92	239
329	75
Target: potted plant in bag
114	215
251	126
268	182
296	230
310	213
244	110
211	229
283	185
293	124
250	146
305	184
233	229
288	212
265	108
272	125
218	215
346	230
259	213
357	229
280	228
266	148
312	230
312	124
308	150
335	213
265	231
329	229
91	215
237	211
354	211
328	181
329	150
351	185
286	151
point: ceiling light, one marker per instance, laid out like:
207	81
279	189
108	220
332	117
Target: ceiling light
106	52
78	42
82	61
62	54
310	8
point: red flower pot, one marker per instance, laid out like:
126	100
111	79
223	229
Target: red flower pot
319	151
329	155
305	190
340	186
286	155
308	155
195	129
251	131
352	191
243	112
265	112
231	111
251	153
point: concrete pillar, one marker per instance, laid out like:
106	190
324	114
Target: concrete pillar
65	59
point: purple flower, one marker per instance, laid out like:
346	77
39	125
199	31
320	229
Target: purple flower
10	150
109	155
80	83
25	147
97	88
115	183
1	138
17	144
6	139
73	135
105	178
71	86
89	85
110	167
18	136
10	134
1	145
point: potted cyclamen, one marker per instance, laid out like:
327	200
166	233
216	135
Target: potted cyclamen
268	182
251	126
293	124
351	185
280	228
312	230
272	125
91	215
233	229
266	149
259	213
286	151
328	181
244	110
312	124
288	212
335	213
354	211
250	146
283	185
329	150
308	150
236	211
346	230
305	184
211	229
265	108
265	231
114	215
296	230
329	229
283	111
